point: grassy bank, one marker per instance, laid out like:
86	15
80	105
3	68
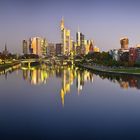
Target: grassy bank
128	70
123	71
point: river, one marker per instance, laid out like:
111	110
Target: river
68	103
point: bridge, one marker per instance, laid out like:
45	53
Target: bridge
28	62
56	61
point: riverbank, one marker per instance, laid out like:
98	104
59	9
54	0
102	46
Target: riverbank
8	65
110	70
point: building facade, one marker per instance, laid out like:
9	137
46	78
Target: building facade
25	47
38	46
51	50
44	45
115	54
65	39
91	47
132	55
58	49
87	45
124	43
123	54
80	40
138	54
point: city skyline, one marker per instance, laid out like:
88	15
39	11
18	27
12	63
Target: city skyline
104	22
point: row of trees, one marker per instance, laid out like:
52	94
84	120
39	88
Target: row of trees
104	58
29	56
14	56
8	56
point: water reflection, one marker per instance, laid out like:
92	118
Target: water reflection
35	76
124	81
28	107
67	74
9	70
70	75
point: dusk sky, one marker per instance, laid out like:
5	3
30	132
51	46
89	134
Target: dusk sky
104	21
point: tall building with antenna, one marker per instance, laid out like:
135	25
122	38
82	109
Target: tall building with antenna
65	39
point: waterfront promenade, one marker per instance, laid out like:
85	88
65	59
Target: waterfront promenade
112	70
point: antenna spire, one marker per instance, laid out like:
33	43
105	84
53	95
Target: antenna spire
78	29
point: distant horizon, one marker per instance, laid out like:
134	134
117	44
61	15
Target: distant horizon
103	21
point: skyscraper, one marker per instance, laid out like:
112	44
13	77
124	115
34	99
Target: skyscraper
73	48
38	46
51	49
35	45
124	43
25	47
58	49
91	47
80	40
65	39
87	45
44	45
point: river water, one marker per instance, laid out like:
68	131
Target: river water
68	103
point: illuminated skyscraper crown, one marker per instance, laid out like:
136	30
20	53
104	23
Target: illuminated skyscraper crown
62	24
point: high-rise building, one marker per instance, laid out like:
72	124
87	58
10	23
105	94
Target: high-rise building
44	45
51	49
30	46
73	48
132	55
58	49
138	55
124	43
38	46
65	39
80	40
25	47
91	47
35	45
87	45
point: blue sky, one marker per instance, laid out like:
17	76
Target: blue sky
104	21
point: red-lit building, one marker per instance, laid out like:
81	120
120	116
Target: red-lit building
138	55
91	48
132	54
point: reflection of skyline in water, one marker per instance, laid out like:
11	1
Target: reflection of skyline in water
67	75
70	76
124	81
32	101
9	70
